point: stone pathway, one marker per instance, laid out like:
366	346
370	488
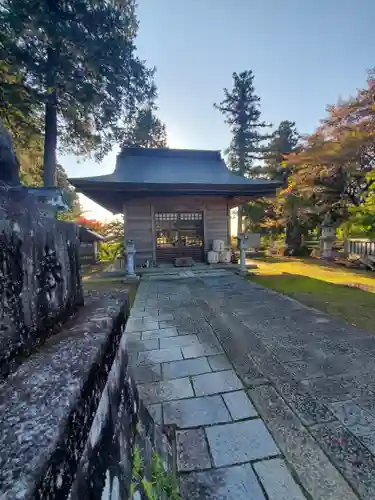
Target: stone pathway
270	399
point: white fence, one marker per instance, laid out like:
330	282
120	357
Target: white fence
351	247
360	247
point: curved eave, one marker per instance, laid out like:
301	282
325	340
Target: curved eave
111	195
83	185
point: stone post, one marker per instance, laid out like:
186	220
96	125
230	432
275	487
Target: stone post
346	248
130	259
327	238
241	238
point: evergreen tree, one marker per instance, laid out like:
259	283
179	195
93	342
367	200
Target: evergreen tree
77	60
287	204
241	110
70	195
287	211
18	110
28	147
144	129
284	141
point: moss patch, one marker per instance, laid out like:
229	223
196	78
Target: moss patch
111	285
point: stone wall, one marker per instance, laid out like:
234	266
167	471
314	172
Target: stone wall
39	274
121	425
73	417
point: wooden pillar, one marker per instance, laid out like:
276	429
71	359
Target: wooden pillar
95	250
229	236
205	241
125	236
153	231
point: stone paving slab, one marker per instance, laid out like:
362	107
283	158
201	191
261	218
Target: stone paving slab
146	373
157	392
209	339
150	316
240	442
134	336
315	471
138	311
349	455
185	368
239	405
358	420
277	480
231	483
159	333
312	368
159	356
367	404
196	412
192	450
136	345
179	341
293	333
171	323
197	351
140	324
309	410
216	382
194	326
300	366
219	362
332	389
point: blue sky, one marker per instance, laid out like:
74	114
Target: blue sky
305	54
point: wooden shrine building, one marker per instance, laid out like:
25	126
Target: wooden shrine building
175	201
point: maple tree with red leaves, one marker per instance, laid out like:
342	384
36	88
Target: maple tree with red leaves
94	225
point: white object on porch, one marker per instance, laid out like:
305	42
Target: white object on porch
225	256
218	245
212	257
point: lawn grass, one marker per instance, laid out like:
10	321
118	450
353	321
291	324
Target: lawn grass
343	293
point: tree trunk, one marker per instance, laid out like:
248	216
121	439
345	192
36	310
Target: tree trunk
293	237
50	141
50	124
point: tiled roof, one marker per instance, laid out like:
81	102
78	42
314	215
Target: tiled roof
171	166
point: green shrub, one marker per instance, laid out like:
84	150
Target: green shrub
162	485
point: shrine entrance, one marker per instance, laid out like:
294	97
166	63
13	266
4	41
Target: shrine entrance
179	234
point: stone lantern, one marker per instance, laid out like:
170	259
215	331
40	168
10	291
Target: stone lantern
130	258
328	237
246	241
242	245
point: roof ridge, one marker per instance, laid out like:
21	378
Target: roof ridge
199	154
